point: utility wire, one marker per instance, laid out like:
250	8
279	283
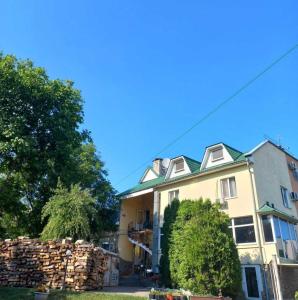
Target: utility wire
215	109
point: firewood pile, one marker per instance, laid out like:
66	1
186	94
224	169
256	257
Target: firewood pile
30	262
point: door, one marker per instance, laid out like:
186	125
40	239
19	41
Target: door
252	282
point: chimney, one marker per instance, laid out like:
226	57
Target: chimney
160	166
157	166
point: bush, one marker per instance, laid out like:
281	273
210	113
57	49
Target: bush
170	214
202	253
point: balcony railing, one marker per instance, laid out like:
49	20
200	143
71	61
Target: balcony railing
135	227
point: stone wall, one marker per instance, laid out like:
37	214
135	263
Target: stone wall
30	262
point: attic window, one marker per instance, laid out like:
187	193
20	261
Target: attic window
217	154
179	165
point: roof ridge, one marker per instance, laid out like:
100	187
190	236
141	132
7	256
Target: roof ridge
191	159
232	148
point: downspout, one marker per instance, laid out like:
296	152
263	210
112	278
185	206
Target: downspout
248	163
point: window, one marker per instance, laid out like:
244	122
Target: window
251	279
267	228
179	165
286	238
217	154
285	196
173	195
228	188
243	230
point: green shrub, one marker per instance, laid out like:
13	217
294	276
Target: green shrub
170	214
202	253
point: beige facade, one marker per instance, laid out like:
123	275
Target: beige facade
256	179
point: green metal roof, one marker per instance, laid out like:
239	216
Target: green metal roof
269	210
193	165
233	152
143	186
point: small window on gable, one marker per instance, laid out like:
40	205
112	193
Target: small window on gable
217	154
179	165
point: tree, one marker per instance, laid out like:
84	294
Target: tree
203	256
170	214
69	213
41	141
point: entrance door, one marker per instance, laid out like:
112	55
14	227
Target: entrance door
252	282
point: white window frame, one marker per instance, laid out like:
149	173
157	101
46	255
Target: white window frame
290	233
219	158
229	188
285	196
272	228
178	161
233	226
259	280
174	192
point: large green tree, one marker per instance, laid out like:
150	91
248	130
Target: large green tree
203	256
41	141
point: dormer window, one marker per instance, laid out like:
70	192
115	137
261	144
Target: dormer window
217	154
179	165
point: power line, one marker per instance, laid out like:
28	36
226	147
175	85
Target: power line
215	109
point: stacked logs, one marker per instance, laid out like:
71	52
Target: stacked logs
30	262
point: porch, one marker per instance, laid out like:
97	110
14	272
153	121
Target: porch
136	233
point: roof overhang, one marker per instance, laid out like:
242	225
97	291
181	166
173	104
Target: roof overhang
203	173
278	213
136	194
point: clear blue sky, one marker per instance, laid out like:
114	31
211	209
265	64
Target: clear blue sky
148	70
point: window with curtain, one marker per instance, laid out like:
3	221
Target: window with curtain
228	188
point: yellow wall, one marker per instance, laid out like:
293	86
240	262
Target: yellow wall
208	186
128	213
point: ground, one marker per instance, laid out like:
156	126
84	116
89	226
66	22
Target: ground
27	294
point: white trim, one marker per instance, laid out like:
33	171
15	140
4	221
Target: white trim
137	193
229	188
256	148
145	174
171	169
208	153
259	281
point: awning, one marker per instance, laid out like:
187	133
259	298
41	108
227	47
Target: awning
269	210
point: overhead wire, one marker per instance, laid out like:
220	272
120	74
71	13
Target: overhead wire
215	109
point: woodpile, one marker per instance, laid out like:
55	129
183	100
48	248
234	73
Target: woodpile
30	262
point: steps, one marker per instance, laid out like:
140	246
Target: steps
134	280
130	280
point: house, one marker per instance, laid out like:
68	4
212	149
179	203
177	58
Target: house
255	189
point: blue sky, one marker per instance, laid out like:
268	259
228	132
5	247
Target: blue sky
148	70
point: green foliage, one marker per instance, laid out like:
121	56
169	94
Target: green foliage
170	214
296	295
203	256
41	141
69	213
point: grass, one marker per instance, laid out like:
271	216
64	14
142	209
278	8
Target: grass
28	294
